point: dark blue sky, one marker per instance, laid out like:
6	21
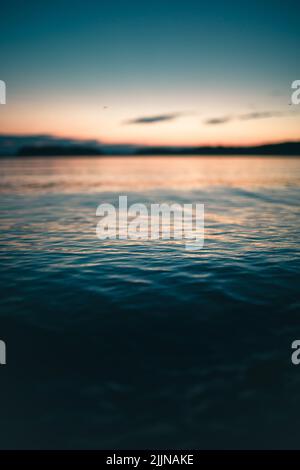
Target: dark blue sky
198	59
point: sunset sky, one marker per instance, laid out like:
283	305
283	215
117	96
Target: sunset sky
152	73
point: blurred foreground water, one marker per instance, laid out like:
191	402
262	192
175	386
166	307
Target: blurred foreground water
124	344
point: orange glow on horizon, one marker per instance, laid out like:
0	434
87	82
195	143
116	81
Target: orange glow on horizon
108	125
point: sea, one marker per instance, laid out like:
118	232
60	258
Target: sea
144	344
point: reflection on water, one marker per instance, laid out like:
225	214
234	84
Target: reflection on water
141	174
144	344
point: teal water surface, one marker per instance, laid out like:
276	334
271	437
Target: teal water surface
143	344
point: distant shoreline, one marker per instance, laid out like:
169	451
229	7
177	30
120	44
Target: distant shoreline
134	155
283	149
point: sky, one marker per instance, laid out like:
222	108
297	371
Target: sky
151	73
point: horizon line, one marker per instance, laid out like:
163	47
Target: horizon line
97	142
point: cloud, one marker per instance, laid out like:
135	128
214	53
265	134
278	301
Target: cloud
218	120
259	115
154	119
246	117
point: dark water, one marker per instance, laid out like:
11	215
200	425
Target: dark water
144	344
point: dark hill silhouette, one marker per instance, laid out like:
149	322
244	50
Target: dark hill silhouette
285	148
58	150
280	149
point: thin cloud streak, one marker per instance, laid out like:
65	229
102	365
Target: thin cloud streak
260	115
246	117
154	119
219	120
